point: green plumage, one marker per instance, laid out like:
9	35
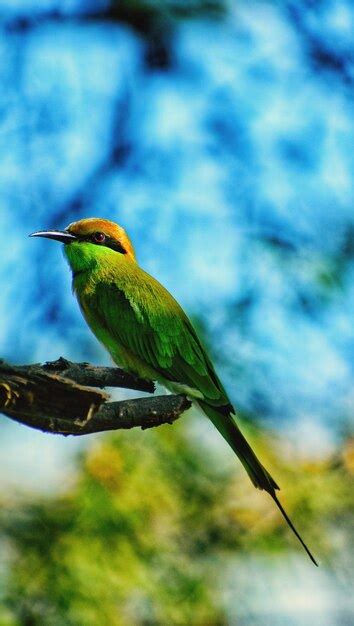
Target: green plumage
147	332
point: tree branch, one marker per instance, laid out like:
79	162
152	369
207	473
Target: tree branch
93	376
58	398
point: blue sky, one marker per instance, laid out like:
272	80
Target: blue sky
232	169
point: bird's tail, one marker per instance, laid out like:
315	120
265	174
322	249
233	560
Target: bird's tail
224	421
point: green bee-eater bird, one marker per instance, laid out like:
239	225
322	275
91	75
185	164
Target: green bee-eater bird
147	332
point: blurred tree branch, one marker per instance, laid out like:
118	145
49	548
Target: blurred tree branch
58	398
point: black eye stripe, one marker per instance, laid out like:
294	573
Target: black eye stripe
115	245
108	242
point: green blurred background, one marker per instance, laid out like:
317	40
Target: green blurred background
220	134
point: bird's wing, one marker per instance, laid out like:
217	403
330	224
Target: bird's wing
150	323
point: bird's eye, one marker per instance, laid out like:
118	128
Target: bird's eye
98	237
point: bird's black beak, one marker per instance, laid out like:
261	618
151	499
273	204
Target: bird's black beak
59	235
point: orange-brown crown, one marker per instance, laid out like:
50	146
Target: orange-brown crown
110	229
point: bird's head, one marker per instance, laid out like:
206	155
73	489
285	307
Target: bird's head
90	241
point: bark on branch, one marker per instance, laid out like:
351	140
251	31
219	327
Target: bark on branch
59	398
93	376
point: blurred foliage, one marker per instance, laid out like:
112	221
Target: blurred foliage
143	15
244	137
156	20
145	534
139	11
